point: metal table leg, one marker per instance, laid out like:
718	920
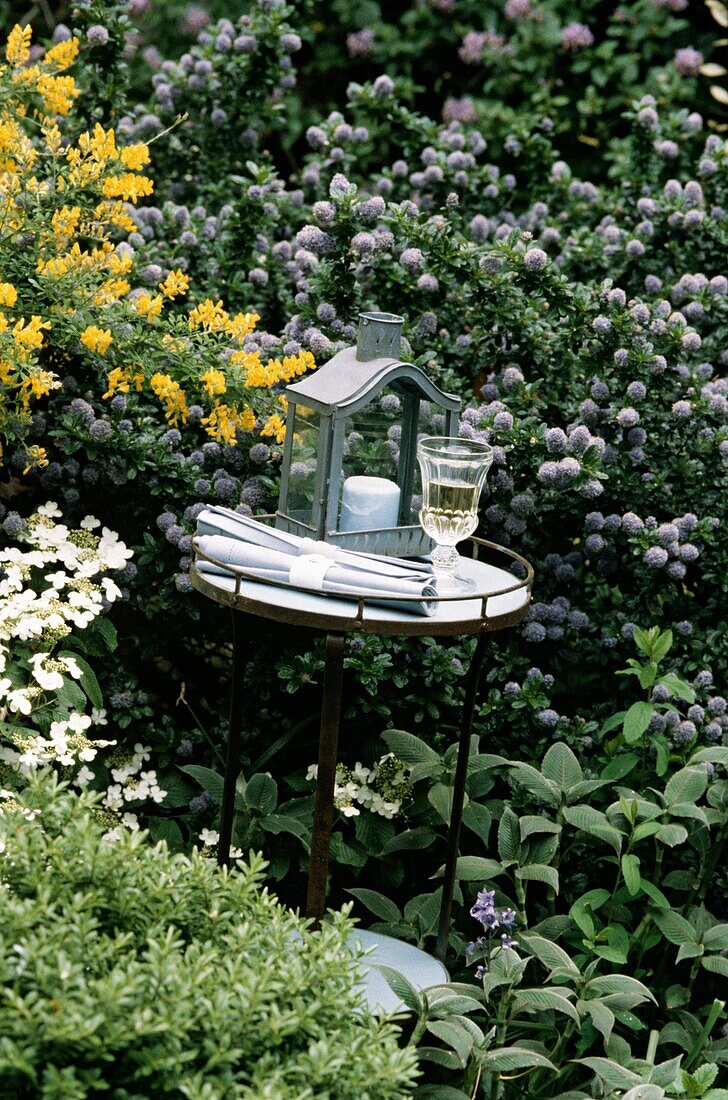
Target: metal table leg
323	808
458	797
232	757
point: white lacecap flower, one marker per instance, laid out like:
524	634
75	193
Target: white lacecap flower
48	679
114	798
50	509
72	667
79	723
57	580
209	837
98	717
88	523
19	702
84	777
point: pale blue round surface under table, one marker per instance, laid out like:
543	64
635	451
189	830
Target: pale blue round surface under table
422	970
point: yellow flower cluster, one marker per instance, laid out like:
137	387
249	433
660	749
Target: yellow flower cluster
73	287
224	421
172	396
96	339
260	375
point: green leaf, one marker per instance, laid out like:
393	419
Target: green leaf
645	829
716	937
607	984
674	927
549	953
613	1075
163	828
716	964
411	997
601	1016
440	798
636	721
644	640
450	1033
654	894
621	765
479	819
509	843
532	824
591	821
261	793
539	872
540	1000
410	748
88	680
687	785
106	629
613	722
583	920
662	646
672	835
631	873
689	951
544	789
283	823
677	687
474	869
561	766
440	1057
209	780
504	1059
71	696
412	840
644	1092
717	754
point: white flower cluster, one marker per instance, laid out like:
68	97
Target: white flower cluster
66	597
380	789
47	589
210	838
131	784
66	744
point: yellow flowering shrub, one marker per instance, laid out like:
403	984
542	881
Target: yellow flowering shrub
68	299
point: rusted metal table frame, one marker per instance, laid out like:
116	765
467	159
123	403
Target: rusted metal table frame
336	629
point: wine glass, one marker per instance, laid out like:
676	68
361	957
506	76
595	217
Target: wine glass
453	474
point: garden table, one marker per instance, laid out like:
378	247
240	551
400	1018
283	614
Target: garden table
497	600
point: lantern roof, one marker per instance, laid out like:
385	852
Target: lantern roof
353	378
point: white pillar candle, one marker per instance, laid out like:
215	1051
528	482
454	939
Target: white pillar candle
369	504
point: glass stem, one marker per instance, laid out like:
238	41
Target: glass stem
445	559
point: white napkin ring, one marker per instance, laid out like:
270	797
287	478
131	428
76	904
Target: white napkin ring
309	570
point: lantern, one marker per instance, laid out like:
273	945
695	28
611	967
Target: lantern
350	473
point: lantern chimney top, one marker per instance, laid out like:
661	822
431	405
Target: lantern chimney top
379	336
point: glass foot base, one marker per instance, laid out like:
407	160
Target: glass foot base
450	584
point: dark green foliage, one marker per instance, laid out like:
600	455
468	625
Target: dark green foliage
130	973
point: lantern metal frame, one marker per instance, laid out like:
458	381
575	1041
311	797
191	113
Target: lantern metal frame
348	383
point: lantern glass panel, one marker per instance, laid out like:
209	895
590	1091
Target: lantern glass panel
371	438
304	465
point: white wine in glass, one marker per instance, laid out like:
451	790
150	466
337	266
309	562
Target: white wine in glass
453	474
450	510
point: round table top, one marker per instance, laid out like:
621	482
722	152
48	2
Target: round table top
497	600
421	970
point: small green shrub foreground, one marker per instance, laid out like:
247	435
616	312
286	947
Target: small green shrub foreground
129	973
